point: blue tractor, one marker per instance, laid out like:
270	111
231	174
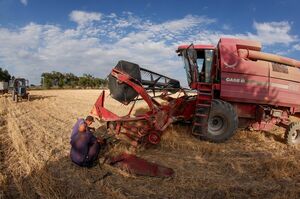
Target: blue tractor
18	89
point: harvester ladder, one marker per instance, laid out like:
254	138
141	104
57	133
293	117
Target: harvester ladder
202	110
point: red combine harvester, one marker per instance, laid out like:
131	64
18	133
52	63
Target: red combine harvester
236	85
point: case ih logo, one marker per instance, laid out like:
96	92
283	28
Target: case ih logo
235	80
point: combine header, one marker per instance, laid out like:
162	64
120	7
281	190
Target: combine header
129	83
235	84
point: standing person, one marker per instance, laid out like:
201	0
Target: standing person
85	146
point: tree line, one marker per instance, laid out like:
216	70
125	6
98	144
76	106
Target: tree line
56	79
4	75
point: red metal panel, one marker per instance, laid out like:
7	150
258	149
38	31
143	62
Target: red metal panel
284	93
245	80
241	43
244	88
228	50
260	68
292	74
260	89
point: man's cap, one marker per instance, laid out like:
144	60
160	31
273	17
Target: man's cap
90	118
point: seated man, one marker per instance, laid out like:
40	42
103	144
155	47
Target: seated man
85	146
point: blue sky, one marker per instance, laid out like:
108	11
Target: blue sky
85	36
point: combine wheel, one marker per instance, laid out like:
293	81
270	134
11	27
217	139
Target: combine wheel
222	122
292	134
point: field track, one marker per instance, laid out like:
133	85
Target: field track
34	161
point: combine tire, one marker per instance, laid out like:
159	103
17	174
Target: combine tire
292	134
222	122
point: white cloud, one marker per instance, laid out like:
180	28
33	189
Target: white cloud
226	27
182	24
24	2
82	17
296	47
268	33
96	47
274	32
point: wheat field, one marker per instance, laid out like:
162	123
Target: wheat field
35	163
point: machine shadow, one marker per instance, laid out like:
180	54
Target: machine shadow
40	97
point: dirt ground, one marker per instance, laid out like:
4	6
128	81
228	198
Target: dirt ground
34	161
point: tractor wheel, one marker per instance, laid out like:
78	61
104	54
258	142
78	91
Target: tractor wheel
222	122
292	134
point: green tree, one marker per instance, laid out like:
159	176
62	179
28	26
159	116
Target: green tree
61	82
64	80
46	80
100	82
4	75
71	80
57	79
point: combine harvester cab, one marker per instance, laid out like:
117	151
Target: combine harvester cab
129	83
